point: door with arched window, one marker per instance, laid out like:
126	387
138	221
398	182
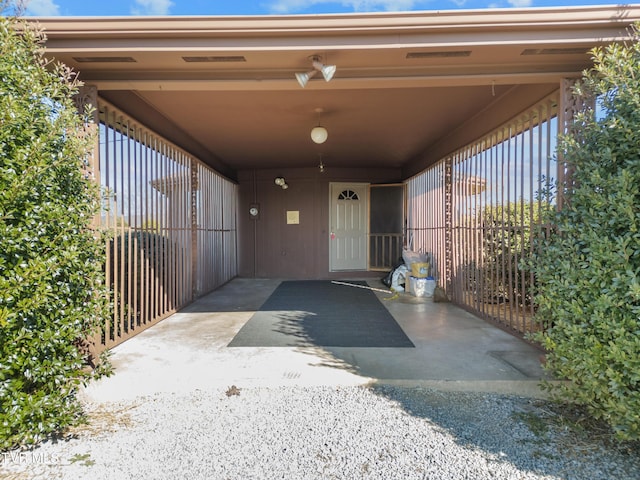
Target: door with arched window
348	226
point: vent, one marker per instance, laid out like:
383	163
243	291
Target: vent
556	51
460	53
105	59
219	59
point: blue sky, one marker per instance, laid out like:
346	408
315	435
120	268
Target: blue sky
269	7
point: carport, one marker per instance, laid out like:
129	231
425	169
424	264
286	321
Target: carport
201	120
453	350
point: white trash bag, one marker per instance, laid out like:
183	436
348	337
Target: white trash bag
399	278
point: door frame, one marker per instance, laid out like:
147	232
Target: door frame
365	233
400	241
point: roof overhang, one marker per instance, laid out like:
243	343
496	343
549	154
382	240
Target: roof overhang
224	87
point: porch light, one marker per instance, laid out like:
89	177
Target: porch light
279	181
328	71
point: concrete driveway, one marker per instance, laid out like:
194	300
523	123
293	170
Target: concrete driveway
454	350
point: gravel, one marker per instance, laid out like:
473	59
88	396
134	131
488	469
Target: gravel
380	432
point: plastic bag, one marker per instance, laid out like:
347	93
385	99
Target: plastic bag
410	257
399	278
387	280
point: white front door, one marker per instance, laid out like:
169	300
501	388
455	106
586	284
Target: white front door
348	226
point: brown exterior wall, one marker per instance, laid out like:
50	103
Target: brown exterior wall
268	246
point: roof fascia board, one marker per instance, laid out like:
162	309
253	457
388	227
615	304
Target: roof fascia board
351	24
588	36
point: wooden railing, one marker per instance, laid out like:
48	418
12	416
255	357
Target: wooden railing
385	250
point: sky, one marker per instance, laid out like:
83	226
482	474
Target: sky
275	7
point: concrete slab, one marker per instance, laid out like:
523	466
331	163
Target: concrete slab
188	351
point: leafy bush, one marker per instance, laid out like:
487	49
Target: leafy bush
51	262
507	245
589	269
136	259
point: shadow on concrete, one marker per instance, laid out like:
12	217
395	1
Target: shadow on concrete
322	314
453	349
451	345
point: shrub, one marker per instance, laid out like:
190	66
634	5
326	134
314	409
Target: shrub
137	259
51	262
589	269
507	246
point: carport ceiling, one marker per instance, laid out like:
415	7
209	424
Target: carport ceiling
224	87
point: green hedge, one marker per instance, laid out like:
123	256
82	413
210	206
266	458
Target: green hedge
136	257
507	247
51	263
588	271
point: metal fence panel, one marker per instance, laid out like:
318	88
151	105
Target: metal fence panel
171	221
476	212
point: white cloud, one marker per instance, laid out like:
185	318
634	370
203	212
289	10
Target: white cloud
292	6
521	3
151	7
42	8
387	5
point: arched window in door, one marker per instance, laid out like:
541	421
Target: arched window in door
348	195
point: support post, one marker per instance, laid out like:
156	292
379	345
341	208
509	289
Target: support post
570	105
194	229
86	102
448	219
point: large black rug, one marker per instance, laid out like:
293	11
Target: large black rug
321	313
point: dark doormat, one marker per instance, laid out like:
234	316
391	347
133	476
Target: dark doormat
321	313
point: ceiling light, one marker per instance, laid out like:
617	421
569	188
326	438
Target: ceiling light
328	71
319	134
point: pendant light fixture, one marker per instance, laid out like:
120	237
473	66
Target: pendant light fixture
319	133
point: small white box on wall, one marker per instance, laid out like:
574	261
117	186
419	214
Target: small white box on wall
293	217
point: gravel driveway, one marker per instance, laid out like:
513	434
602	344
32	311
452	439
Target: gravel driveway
379	432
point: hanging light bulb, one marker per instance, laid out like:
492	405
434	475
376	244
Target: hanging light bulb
319	134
